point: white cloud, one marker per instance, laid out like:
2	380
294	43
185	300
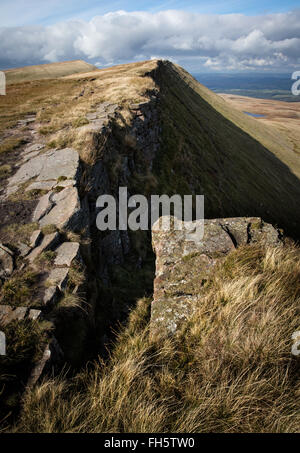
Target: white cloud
233	41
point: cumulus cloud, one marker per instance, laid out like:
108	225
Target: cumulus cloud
218	42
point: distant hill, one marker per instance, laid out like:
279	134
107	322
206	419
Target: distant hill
263	86
47	71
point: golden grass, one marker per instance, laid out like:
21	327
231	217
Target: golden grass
5	170
10	144
228	369
18	232
47	71
61	104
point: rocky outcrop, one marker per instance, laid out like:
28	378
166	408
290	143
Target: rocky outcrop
45	167
181	264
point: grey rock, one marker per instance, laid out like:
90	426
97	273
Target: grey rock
64	162
16	314
28	170
34	147
39	367
49	242
91	116
29	156
48	166
66	253
181	263
34	314
44	205
41	185
94	126
51	296
5	311
66	211
36	238
59	277
24	249
66	183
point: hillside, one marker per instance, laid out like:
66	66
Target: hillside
47	71
65	286
284	116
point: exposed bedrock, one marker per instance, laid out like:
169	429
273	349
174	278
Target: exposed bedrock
181	263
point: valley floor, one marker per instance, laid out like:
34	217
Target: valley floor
285	116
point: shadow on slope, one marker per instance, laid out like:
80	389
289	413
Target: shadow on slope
204	152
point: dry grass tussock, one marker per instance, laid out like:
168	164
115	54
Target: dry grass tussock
229	368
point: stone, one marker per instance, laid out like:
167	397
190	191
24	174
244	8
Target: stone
47	166
49	242
6	262
24	249
34	147
52	355
66	183
5	311
94	126
44	205
182	264
41	185
66	253
59	277
51	296
16	314
39	367
36	238
30	169
91	116
34	314
262	232
66	211
29	156
63	162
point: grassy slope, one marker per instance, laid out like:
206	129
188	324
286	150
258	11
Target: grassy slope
229	369
242	167
205	152
47	71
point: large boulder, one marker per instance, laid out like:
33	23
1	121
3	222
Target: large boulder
182	264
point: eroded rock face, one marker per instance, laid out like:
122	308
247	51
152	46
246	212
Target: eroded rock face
176	286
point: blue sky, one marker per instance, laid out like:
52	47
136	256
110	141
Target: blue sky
202	36
28	12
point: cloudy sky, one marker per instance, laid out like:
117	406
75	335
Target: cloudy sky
202	36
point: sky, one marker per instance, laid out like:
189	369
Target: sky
202	36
